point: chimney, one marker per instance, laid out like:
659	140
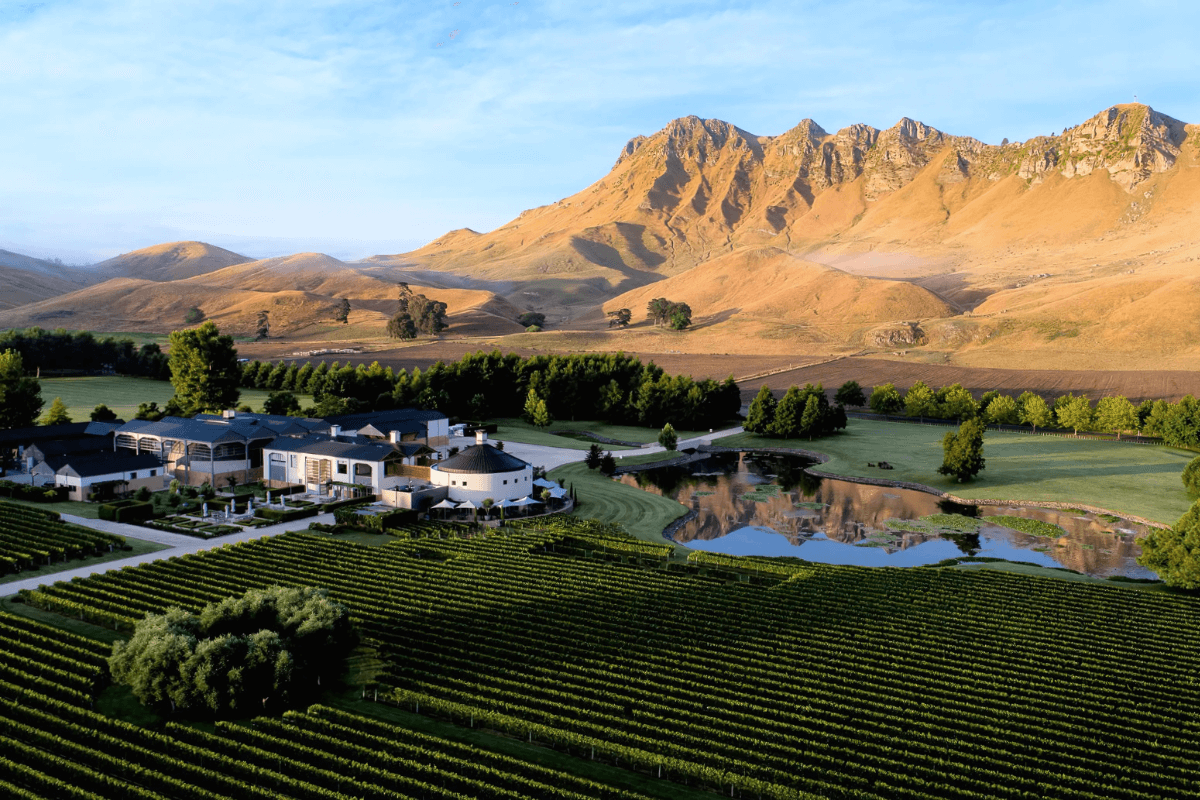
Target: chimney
480	437
335	431
394	437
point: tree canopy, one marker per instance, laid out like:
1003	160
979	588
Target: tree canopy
20	394
885	399
1191	476
264	650
963	451
415	314
204	370
667	437
621	317
850	394
1174	553
56	414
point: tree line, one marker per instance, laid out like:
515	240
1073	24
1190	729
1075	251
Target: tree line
614	387
802	413
60	349
1178	424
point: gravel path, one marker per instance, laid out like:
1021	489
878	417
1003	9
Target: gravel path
189	544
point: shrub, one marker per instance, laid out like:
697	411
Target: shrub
130	511
1191	476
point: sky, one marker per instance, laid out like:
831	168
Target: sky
356	128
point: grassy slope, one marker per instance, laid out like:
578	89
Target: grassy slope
123	394
1131	479
640	513
139	548
518	430
88	510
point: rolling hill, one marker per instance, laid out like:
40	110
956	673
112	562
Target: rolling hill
1077	249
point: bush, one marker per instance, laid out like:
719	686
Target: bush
143	494
266	649
285	515
130	511
534	329
1191	476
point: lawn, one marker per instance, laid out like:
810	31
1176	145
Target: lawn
123	394
86	510
139	548
1141	480
518	430
640	513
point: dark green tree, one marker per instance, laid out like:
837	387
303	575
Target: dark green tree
621	317
342	314
608	464
667	437
963	451
103	413
263	650
786	424
851	394
262	326
885	399
149	411
594	457
401	326
194	316
532	318
1174	553
680	316
20	394
204	370
281	403
761	417
810	419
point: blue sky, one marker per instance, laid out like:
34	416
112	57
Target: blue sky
365	127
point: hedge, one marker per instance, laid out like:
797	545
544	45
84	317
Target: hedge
133	511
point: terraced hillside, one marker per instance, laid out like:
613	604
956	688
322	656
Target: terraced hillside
755	678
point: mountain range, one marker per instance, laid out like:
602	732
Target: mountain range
1076	249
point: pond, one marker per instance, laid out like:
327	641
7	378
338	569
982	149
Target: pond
766	505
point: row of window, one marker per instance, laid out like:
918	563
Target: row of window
514	480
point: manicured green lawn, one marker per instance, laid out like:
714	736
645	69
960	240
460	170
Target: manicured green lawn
640	513
518	430
123	394
86	510
139	546
1141	480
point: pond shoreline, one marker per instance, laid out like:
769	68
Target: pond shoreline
821	458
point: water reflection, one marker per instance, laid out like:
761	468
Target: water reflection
750	504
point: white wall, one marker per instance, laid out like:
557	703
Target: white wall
476	487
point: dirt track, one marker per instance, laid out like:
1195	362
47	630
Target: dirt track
1136	385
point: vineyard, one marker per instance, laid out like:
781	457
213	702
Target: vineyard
31	538
758	678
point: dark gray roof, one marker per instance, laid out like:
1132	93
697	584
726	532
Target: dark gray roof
91	464
201	430
357	447
40	433
481	459
58	447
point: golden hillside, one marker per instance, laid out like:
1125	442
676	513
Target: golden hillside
169	262
300	292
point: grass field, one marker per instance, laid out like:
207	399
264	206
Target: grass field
123	394
139	548
88	510
1132	479
518	430
641	514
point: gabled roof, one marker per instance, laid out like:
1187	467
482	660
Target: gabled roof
480	459
57	447
200	430
40	433
92	464
357	448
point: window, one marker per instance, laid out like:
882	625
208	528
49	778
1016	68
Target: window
454	483
506	482
342	468
292	460
132	475
153	472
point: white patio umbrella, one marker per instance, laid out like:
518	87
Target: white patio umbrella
545	484
526	501
468	504
557	493
444	504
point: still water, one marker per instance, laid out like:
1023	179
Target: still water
750	504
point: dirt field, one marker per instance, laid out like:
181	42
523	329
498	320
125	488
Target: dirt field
750	371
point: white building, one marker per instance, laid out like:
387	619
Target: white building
482	471
320	463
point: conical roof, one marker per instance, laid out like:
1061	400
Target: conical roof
481	459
